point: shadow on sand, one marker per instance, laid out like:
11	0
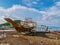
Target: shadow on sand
42	34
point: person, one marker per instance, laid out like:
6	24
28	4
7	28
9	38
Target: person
46	28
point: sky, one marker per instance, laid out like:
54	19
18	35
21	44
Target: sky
44	12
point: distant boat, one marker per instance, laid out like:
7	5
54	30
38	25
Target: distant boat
7	30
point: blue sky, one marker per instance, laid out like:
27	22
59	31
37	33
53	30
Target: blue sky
44	12
38	4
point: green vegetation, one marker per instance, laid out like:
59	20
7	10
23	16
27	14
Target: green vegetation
7	24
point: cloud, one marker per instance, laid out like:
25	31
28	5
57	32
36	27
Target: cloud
51	12
30	3
18	12
50	16
27	2
34	2
58	3
21	7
